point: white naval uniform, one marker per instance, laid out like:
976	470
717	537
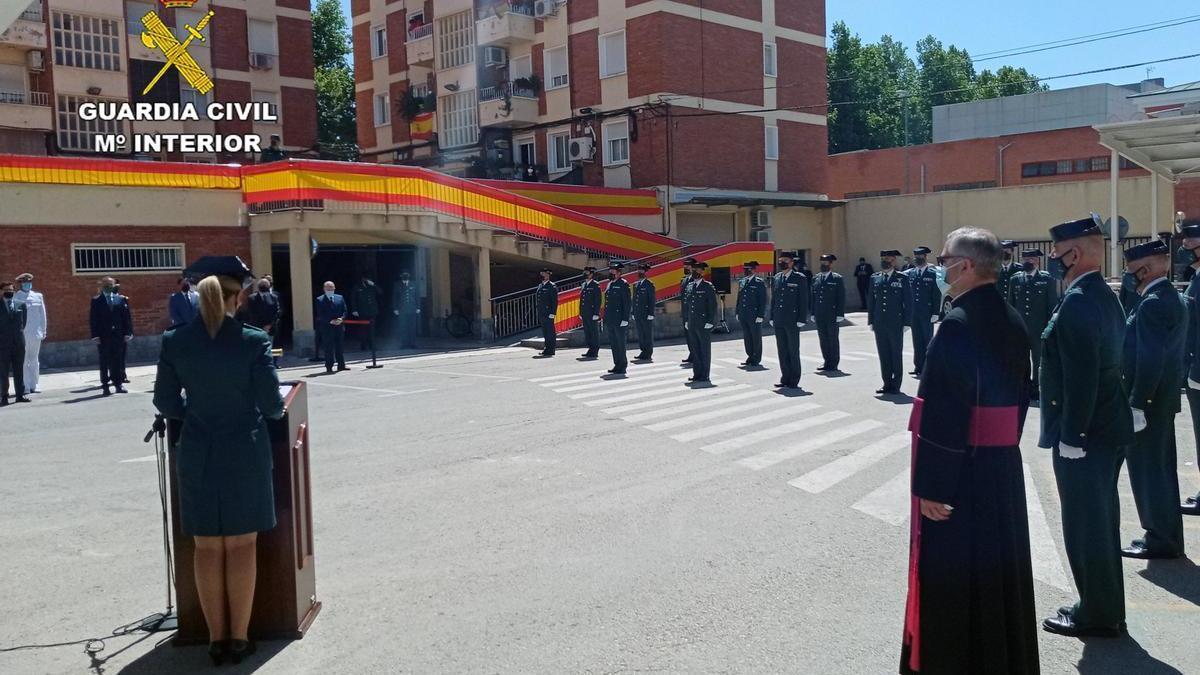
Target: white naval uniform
35	332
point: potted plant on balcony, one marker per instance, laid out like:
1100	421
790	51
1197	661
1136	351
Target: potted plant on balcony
530	83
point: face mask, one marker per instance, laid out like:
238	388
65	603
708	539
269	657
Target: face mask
8	295
824	267
1059	269
641	275
697	274
1196	253
783	264
26	286
1029	267
920	260
950	290
262	288
329	294
107	290
884	264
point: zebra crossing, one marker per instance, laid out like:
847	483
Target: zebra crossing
761	431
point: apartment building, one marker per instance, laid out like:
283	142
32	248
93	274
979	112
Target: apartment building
59	54
729	96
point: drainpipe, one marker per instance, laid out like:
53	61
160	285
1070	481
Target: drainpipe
1002	148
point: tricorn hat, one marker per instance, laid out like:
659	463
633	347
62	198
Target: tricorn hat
1084	227
1032	253
922	250
1007	243
828	257
1146	250
222	266
750	264
889	252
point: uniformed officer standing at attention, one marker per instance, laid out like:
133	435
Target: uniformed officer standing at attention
829	308
701	316
1034	294
616	317
406	304
589	312
862	277
13	317
1190	230
789	311
926	305
684	289
1086	420
546	299
887	313
645	296
751	311
1154	342
1008	268
112	327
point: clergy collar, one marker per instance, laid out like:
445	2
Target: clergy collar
1081	277
1152	284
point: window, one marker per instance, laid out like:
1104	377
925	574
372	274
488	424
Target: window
458	124
559	146
134	11
873	193
87	42
616	143
1127	164
12	84
1083	165
1064	166
419	90
378	42
1100	163
201	101
188	17
772	142
75	133
520	66
556	68
112	258
612	54
262	37
770	62
978	185
456	40
524	151
271	98
383	114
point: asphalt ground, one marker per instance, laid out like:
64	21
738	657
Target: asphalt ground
484	511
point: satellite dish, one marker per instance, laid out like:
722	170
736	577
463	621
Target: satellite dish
1122	228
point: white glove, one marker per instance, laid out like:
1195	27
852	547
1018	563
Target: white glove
354	313
624	323
799	324
41	336
596	317
1139	420
550	317
418	311
1070	452
841	318
707	326
1192	384
395	312
650	318
685	325
772	322
128	338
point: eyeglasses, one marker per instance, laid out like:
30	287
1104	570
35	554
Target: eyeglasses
942	259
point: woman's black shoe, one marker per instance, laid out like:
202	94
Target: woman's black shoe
240	649
217	651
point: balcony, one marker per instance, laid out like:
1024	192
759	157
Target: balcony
25	110
505	24
28	31
507	105
420	45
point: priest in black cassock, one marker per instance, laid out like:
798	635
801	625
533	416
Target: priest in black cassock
970	582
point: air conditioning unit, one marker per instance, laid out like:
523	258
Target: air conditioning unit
260	61
36	60
760	235
495	57
544	8
760	220
580	149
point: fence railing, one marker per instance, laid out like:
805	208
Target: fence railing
15	97
505	90
33	13
420	32
1045	245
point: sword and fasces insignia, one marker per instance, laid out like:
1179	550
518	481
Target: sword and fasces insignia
157	36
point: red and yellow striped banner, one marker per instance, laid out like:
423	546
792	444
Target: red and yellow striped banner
584	199
118	173
666	276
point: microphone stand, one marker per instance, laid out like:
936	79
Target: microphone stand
167	620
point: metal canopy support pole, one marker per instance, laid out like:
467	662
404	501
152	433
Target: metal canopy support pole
1153	205
1114	172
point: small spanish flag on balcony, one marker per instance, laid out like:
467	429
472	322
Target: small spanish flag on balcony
421	127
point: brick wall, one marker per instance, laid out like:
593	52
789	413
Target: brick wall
801	84
359	7
665	53
303	5
295	47
1187	197
230	42
747	9
365	118
299	108
226	91
802	150
583	55
805	15
45	251
400	133
737	140
397	35
361	42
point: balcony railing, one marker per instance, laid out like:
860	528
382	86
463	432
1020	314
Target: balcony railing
507	89
420	32
13	97
33	13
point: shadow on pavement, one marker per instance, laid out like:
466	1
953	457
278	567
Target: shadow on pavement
81	399
165	658
1178	577
1124	655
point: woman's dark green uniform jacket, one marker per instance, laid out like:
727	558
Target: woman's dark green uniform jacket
223	458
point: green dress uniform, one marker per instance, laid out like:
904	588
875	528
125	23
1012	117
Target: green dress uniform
751	312
1007	271
1129	296
589	313
546	302
887	313
1154	342
1083	405
1034	295
223	456
365	305
406	303
701	317
925	306
789	310
1192	297
645	296
685	291
828	306
616	312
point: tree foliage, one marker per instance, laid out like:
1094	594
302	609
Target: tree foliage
334	82
873	85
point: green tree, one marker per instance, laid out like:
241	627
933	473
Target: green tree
1007	81
334	82
946	76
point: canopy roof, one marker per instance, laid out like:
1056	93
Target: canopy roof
1168	146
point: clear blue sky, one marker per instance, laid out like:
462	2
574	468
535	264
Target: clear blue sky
986	27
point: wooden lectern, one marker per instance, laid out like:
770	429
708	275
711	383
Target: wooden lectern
285	596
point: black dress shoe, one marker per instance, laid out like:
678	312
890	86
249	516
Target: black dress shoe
914	372
882	390
121	390
329	371
701	379
745	363
240	649
217	651
341	368
691	379
3	402
822	368
1190	506
1065	625
22	399
779	385
106	392
687	360
125	380
1138	550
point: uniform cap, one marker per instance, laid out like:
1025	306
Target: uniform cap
1146	250
889	252
828	257
616	266
701	265
787	254
25	277
1032	253
1190	228
689	261
750	264
922	250
644	266
547	270
1084	227
589	269
405	275
222	266
1007	243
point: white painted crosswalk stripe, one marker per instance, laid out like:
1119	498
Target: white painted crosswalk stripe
868	356
557	380
683	395
773	432
668	390
677	381
613	381
1047	565
824	477
713	401
759	403
891	503
742	422
773	457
